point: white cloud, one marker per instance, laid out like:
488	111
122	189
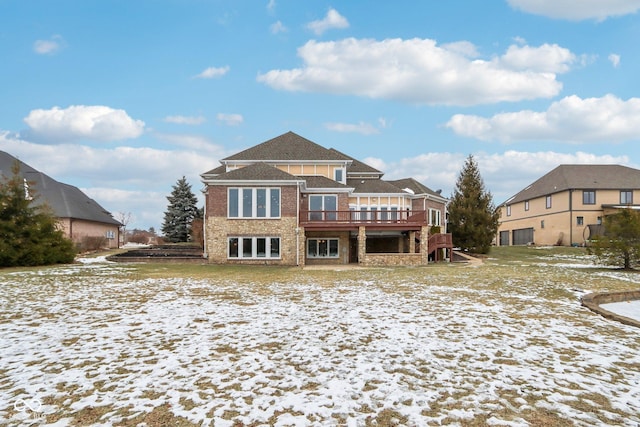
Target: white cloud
361	127
278	27
333	19
94	122
504	174
271	6
48	47
420	71
212	73
185	120
615	60
586	9
572	119
230	119
123	179
543	59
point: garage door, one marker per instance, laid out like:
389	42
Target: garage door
524	236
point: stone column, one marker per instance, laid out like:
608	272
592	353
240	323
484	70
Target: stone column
424	245
362	244
412	242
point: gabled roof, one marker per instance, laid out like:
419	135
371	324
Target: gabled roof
287	147
256	172
373	186
217	171
358	167
580	177
65	200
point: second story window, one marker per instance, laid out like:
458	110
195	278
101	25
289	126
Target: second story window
434	217
338	175
323	207
253	203
508	210
626	197
526	205
589	197
548	202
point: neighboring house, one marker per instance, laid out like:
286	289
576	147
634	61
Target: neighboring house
567	205
290	201
79	216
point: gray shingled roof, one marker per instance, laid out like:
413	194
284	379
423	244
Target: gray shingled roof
256	172
415	186
357	166
65	200
217	171
288	146
322	182
581	177
373	186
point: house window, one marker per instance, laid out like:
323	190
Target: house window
599	220
110	234
548	202
626	197
253	203
434	217
253	247
580	220
508	210
542	223
338	175
589	197
323	208
322	248
526	205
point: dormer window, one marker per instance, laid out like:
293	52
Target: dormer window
338	175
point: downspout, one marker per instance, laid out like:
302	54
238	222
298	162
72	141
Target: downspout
298	224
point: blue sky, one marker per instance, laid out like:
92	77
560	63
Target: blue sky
123	98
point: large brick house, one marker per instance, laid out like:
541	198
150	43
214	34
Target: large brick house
567	205
290	201
79	216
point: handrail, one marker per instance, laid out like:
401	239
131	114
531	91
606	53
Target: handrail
363	217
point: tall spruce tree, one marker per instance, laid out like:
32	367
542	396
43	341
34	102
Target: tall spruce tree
180	213
473	219
29	233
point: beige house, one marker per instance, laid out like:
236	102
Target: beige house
567	205
290	201
79	216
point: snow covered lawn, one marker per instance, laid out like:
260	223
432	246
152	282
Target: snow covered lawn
95	344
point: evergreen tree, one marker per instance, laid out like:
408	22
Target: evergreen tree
180	213
29	233
620	244
473	219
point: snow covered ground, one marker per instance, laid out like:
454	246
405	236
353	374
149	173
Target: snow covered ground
90	345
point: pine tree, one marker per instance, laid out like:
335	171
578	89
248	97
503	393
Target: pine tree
29	233
620	244
180	213
473	219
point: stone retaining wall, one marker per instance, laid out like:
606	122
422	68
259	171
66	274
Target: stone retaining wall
390	260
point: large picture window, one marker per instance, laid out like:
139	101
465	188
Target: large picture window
253	203
322	248
323	207
253	248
